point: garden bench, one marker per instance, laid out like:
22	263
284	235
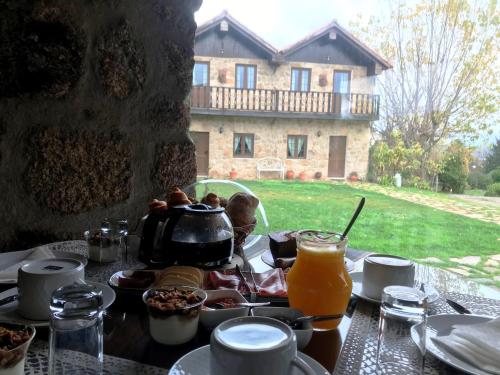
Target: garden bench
271	164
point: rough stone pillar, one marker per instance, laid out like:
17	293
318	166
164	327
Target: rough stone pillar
93	112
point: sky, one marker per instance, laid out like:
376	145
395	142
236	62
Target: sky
283	22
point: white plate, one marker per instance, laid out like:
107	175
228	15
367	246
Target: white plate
8	312
113	282
268	259
441	325
197	362
357	289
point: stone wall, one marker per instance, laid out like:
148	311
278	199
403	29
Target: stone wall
279	77
93	112
270	139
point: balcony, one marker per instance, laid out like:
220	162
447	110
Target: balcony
212	100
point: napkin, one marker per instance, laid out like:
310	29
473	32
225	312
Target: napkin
9	274
477	344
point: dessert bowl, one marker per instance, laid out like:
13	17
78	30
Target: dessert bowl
15	340
174	313
225	308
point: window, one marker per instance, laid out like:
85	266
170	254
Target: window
301	79
297	146
243	145
341	82
200	74
246	76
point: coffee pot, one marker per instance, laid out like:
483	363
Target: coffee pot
194	235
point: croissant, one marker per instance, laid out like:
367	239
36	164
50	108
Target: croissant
212	200
241	210
157	206
177	198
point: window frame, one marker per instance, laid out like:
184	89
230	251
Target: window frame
207	63
245	76
295	151
299	85
349	81
243	154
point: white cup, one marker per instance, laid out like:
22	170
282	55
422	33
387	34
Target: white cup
380	270
38	279
254	345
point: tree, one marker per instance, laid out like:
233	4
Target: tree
443	84
492	161
453	177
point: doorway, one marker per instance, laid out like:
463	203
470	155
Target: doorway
201	142
336	156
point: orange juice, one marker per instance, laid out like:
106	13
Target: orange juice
318	283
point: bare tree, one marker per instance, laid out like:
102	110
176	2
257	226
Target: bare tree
444	82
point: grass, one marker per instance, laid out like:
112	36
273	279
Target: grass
476	192
386	225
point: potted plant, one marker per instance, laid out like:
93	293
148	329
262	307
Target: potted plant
302	176
353	177
289	175
233	174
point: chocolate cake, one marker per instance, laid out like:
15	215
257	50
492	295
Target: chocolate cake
283	244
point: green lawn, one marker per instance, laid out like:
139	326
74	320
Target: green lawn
476	192
386	225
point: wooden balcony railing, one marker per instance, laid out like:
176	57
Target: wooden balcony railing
283	101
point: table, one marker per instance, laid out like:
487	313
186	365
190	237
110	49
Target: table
126	331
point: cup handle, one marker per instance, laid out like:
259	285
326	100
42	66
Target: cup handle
303	366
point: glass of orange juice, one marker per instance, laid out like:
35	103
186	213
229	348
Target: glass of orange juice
318	283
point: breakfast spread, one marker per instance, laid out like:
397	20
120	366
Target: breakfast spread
10	339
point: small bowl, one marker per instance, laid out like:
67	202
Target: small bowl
303	335
210	318
13	359
177	325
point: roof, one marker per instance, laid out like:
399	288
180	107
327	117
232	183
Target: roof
279	55
267	47
334	26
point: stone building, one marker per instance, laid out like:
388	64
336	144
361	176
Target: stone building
309	105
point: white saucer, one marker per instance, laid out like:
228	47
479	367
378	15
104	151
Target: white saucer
197	362
267	258
441	325
357	289
8	312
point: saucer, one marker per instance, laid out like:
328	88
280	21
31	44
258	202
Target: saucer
197	362
8	312
268	259
357	289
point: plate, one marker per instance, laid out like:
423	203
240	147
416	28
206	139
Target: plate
441	325
197	362
113	282
357	289
268	259
8	312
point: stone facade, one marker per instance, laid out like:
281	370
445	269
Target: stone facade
94	112
270	139
270	134
277	77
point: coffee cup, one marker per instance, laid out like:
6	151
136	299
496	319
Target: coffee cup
38	279
254	345
380	270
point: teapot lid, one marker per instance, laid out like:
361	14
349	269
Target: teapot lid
203	209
